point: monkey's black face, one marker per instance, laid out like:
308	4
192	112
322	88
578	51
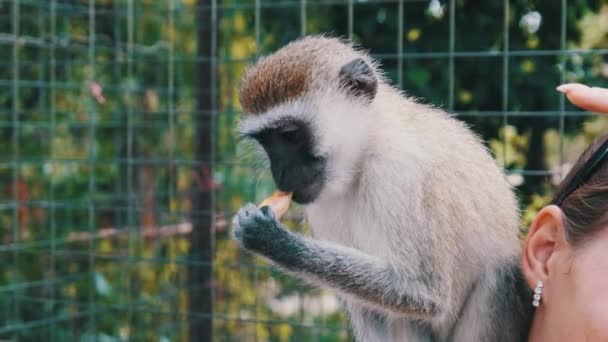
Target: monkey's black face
295	168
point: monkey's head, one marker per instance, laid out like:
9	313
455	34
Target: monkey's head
309	106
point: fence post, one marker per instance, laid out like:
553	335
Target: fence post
201	250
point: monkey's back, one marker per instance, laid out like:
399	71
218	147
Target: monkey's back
432	201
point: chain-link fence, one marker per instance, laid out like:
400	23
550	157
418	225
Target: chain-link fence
119	167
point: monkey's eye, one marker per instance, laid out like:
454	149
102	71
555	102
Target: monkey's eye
290	134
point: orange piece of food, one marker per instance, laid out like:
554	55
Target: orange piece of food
278	203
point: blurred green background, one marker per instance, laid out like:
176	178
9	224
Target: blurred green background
119	167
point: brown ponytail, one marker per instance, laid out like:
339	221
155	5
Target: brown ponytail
586	208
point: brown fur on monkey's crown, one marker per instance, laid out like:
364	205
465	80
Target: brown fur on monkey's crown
278	202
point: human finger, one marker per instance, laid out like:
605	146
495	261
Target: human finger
590	98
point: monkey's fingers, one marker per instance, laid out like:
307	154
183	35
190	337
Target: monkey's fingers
278	203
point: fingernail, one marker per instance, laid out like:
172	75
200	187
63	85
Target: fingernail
569	87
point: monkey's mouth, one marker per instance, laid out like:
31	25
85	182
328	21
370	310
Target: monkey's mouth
305	184
310	192
304	180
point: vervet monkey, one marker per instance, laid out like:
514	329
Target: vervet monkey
414	224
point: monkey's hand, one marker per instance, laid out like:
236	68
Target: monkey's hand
367	278
258	230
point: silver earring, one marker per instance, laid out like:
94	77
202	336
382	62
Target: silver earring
538	291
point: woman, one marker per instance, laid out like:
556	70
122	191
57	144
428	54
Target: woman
565	256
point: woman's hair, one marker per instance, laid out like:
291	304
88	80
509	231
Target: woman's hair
586	208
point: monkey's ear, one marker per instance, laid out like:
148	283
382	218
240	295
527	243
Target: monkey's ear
358	79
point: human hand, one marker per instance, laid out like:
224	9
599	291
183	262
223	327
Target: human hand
590	98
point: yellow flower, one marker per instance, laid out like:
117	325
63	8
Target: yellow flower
414	34
528	66
465	96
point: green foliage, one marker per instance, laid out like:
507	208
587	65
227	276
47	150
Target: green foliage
119	165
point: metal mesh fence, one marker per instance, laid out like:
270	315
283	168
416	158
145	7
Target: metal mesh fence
119	167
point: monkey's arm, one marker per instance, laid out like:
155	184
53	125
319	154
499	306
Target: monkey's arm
361	276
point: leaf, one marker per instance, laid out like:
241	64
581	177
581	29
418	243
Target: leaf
419	77
102	286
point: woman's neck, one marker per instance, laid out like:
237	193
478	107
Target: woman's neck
537	331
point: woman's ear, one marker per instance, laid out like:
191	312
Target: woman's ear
545	238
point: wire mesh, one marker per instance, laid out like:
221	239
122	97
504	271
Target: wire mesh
118	150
